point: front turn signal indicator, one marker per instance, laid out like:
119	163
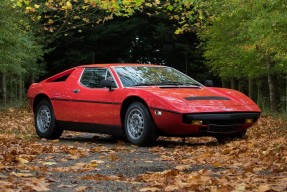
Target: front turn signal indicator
196	122
158	113
248	121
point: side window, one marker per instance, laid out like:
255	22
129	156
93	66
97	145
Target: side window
92	77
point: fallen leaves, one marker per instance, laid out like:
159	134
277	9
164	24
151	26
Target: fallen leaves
258	163
100	177
255	164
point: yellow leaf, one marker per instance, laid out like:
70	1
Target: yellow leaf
21	160
69	5
182	167
22	174
94	4
171	188
50	21
19	4
86	20
178	31
157	2
97	161
152	189
36	6
264	187
49	163
216	164
81	189
148	4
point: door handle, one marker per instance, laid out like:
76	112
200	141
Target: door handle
76	90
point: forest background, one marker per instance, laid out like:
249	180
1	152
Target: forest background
238	43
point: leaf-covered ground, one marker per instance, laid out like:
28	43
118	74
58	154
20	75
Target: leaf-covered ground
91	162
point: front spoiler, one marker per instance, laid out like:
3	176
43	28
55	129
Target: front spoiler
221	116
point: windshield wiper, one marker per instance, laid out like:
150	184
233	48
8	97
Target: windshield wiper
168	83
178	83
146	84
171	83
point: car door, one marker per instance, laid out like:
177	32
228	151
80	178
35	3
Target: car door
90	102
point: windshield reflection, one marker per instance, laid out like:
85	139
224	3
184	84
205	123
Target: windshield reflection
153	75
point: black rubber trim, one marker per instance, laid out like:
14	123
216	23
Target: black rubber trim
207	98
222	116
86	101
90	127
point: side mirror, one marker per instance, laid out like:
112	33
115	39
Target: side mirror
107	83
208	83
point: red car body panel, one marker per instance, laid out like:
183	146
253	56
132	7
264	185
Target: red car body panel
73	102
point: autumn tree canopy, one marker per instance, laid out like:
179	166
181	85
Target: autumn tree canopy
242	40
58	17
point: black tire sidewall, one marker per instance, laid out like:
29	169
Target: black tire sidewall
149	133
49	134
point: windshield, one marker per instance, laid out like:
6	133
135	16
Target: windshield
153	75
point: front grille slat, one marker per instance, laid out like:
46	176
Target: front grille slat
223	128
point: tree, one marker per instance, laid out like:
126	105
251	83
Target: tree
19	52
137	39
244	40
59	17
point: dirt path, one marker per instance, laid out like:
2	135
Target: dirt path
91	162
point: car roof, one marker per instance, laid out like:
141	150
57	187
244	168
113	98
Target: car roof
118	65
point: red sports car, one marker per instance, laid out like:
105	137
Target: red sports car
139	101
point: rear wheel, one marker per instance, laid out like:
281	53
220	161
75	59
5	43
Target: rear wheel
139	126
45	122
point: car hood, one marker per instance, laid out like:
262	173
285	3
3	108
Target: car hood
204	98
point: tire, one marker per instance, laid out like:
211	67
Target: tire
45	122
139	126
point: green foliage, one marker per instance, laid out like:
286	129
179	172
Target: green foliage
18	45
243	36
60	17
20	52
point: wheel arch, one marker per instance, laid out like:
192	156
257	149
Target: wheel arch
38	99
127	102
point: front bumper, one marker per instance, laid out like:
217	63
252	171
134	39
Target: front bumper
222	123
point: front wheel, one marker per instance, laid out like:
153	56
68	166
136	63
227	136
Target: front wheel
45	122
139	126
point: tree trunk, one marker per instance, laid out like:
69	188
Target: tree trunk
259	100
186	62
286	95
11	94
225	83
272	92
234	84
251	89
20	84
32	79
4	90
240	85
